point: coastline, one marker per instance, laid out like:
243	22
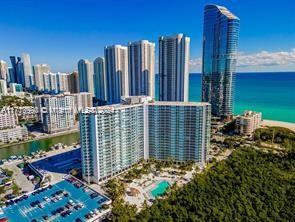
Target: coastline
288	125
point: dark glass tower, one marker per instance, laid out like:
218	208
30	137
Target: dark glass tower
220	42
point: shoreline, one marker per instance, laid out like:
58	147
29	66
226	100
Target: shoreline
288	125
42	137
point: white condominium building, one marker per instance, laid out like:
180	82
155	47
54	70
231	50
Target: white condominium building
57	112
39	70
82	100
8	118
116	62
3	87
141	68
115	137
174	54
248	122
3	70
14	134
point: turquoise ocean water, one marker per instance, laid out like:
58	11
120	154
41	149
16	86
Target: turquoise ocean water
273	94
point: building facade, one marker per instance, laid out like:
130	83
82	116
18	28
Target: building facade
57	113
248	123
4	70
18	133
74	82
39	70
8	118
85	70
220	42
174	53
26	70
3	87
116	59
100	78
115	137
141	68
82	101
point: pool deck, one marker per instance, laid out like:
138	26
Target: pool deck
74	197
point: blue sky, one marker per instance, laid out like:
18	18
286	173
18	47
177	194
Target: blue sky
60	32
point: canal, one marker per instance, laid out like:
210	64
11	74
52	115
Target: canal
33	146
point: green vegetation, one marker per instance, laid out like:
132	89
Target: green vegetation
15	189
251	185
14	101
278	135
8	172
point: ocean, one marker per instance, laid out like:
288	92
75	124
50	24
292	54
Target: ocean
273	94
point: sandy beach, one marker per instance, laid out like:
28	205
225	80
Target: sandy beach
288	125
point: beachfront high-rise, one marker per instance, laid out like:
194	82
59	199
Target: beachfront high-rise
116	60
85	70
115	137
141	68
99	78
220	42
174	53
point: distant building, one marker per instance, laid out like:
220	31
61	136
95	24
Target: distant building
248	123
8	118
63	82
57	113
3	70
3	87
174	54
18	133
39	70
82	101
85	70
100	79
16	88
74	82
14	72
220	43
141	68
115	137
116	60
27	71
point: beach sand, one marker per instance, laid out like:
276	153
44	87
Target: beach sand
288	125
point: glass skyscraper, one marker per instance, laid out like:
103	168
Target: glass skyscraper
99	78
85	69
220	42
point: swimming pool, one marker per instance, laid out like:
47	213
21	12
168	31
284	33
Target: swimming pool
160	189
24	211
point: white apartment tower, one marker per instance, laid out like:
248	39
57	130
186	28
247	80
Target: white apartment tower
141	68
39	70
116	59
174	53
85	70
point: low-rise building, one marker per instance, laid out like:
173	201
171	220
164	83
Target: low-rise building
247	123
8	118
18	133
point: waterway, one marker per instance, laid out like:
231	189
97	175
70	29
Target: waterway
33	146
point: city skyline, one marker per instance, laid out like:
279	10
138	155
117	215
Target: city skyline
265	44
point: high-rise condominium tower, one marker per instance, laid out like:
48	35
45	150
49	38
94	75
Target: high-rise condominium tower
39	70
3	70
116	59
174	67
115	137
85	69
99	78
74	82
141	68
220	42
27	71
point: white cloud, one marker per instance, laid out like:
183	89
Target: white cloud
265	58
257	60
